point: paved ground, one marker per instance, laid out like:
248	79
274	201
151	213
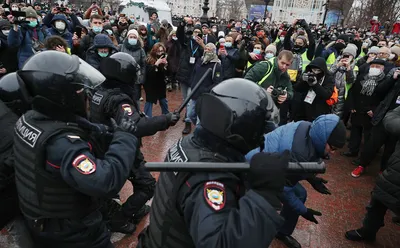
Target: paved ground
343	210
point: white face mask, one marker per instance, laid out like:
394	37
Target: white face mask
282	38
5	32
14	9
60	25
374	72
174	38
365	44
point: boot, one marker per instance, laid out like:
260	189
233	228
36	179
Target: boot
188	128
140	214
360	235
120	223
288	240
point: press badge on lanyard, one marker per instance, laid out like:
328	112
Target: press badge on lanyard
192	59
310	97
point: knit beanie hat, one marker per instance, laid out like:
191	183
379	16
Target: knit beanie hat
133	31
350	50
338	136
30	12
395	50
271	48
373	49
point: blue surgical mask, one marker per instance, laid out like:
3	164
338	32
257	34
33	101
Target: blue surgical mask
112	21
32	24
132	20
256	51
269	56
103	55
228	44
132	41
97	29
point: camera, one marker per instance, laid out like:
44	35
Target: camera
276	92
309	77
19	17
342	69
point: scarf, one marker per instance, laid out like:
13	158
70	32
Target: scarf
368	85
208	57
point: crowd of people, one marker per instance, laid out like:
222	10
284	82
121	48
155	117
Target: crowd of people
322	79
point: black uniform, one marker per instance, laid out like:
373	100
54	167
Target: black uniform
199	220
55	159
8	192
60	182
113	103
215	209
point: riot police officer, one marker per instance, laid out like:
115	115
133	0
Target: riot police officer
59	180
11	107
112	100
220	209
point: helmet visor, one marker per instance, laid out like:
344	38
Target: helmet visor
87	76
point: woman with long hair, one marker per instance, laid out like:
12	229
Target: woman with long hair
154	85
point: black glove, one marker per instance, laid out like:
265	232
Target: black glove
267	175
309	215
173	118
126	124
319	185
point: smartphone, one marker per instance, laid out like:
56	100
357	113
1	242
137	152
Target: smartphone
78	31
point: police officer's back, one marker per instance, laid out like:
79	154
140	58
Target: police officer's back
59	181
216	209
112	100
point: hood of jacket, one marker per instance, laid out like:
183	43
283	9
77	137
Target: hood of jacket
102	40
319	63
321	129
60	17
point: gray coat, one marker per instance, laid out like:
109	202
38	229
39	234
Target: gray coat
138	53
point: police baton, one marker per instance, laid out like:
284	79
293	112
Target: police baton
293	167
193	91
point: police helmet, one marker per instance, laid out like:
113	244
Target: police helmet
59	81
121	67
13	95
239	112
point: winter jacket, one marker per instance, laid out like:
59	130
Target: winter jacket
174	50
374	26
323	90
214	78
138	53
390	91
277	78
100	41
8	55
228	62
28	40
66	35
154	84
387	187
190	48
396	28
343	81
306	141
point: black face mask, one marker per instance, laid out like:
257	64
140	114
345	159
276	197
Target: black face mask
374	43
297	47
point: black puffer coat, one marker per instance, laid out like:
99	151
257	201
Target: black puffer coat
387	188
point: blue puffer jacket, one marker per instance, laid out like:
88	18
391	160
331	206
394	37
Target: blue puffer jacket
311	149
99	41
23	40
66	35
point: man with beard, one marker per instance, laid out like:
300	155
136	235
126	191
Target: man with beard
330	54
209	60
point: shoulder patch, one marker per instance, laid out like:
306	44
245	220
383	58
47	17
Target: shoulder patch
84	165
127	108
26	132
96	99
176	153
214	194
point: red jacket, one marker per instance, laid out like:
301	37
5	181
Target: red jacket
374	26
396	28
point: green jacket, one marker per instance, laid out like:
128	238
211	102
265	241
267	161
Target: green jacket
277	78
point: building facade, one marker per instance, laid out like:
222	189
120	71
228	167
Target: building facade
191	7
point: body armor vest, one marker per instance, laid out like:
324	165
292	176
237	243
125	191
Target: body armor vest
42	194
169	229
